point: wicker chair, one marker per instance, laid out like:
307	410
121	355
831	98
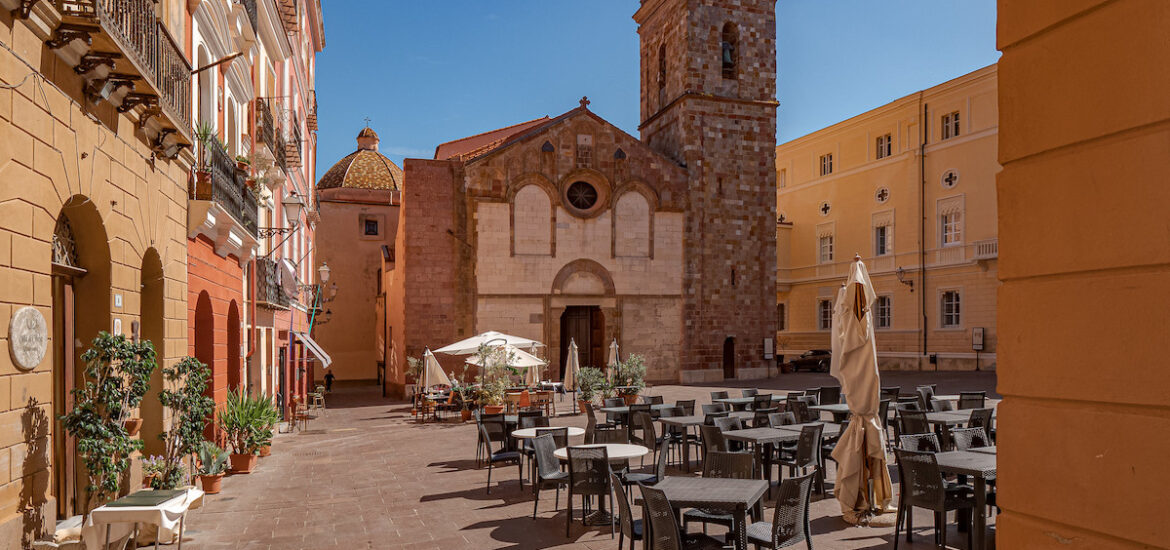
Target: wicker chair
664	526
718	395
799	408
482	447
548	470
941	405
762	419
720	465
982	418
727	424
652	399
588	476
632	420
612	435
688	406
920	443
972	399
614	418
763	403
789	524
924	487
781	418
560	435
925	395
712	440
912	422
891	392
969	438
628	527
529	422
807	454
493	432
830	395
651	477
751	392
713	408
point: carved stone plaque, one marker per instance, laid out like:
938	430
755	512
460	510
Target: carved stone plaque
28	337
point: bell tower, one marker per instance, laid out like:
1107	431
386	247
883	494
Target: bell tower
708	101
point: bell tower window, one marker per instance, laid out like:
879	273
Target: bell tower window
729	51
661	75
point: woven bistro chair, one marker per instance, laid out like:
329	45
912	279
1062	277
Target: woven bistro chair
830	395
614	418
651	477
688	406
982	418
969	438
727	424
972	399
941	405
718	395
664	526
751	392
800	409
482	447
614	435
652	399
781	419
492	432
807	454
548	470
925	395
891	392
628	527
920	443
923	486
912	422
720	465
763	403
588	477
632	423
712	440
789	525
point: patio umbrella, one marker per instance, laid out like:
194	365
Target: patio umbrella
574	363
860	452
532	377
614	359
492	338
519	359
433	374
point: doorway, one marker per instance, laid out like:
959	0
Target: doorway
153	331
584	325
234	367
729	358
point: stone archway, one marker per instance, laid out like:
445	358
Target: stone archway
204	345
583	307
153	330
234	374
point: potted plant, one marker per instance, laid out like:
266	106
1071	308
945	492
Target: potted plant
212	465
269	418
204	134
189	410
242	420
495	365
116	371
152	467
464	390
589	383
630	376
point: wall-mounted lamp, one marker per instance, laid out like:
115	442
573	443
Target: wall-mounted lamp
902	278
323	272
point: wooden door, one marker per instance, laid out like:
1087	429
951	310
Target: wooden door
597	343
575	327
729	358
64	380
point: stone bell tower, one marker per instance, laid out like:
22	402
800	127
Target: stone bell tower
708	101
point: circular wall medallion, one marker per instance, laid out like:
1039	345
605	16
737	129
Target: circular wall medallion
882	195
28	337
824	208
950	178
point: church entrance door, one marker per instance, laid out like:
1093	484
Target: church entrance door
729	358
584	325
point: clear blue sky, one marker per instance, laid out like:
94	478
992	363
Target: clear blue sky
426	72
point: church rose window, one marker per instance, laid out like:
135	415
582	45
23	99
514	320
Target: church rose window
582	196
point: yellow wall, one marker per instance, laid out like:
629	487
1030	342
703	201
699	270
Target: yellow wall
1086	262
851	192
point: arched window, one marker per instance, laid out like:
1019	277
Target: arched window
729	53
661	75
206	88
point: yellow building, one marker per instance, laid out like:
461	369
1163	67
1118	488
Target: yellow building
877	185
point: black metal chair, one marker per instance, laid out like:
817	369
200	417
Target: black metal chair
493	432
972	399
720	465
969	438
628	527
751	392
789	523
806	455
923	486
548	470
588	477
664	526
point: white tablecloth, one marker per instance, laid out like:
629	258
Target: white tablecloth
122	519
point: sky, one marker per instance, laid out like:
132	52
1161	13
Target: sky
426	72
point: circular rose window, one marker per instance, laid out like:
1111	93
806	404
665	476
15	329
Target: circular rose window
581	196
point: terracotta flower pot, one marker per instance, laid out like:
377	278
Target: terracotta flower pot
630	399
581	405
243	464
147	480
493	409
132	425
211	483
266	450
242	166
465	414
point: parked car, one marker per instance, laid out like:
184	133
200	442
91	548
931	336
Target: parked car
816	360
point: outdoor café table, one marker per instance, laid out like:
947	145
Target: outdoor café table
985	450
142	507
687	422
951	418
978	465
624	412
529	433
829	430
618	453
740	403
730	495
839	410
761	438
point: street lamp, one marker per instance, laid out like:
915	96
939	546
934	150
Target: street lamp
323	272
293	205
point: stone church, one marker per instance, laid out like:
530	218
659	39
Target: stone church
568	227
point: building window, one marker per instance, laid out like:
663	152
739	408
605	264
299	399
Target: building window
781	317
826	164
826	249
370	227
950	125
783	178
884	146
881	240
661	76
729	51
582	195
952	232
883	312
584	151
824	314
950	314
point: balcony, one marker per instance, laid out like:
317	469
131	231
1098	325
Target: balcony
268	290
129	59
270	135
986	249
292	140
288	14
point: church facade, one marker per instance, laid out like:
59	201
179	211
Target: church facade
568	228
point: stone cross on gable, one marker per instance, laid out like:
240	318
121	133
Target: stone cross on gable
951	178
584	101
825	208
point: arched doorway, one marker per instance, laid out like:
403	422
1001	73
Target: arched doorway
81	308
234	376
152	329
729	358
205	348
584	325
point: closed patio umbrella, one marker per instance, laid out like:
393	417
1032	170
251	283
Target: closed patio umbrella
532	377
433	374
571	367
860	452
614	359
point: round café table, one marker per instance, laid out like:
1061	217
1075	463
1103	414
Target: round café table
530	433
617	453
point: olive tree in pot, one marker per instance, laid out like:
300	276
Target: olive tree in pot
212	465
242	420
630	375
117	373
590	382
189	410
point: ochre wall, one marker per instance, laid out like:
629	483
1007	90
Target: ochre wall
1085	262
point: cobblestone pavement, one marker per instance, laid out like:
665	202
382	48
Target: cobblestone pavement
367	476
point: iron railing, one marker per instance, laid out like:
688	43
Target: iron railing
134	29
268	289
253	14
269	133
227	187
292	136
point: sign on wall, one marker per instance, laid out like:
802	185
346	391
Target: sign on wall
769	348
28	337
977	338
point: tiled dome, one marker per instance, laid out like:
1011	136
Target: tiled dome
365	168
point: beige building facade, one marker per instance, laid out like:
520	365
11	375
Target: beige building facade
917	203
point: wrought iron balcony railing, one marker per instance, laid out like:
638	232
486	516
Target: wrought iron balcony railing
270	133
130	30
268	289
227	187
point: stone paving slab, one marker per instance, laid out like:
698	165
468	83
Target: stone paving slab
367	476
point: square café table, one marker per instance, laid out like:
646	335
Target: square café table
981	467
688	422
730	495
736	402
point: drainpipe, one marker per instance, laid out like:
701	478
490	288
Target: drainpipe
922	220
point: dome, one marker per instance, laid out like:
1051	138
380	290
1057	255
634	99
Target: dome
365	168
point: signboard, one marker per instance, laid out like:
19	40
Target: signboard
769	348
977	338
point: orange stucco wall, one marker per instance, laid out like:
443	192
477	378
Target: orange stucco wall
221	278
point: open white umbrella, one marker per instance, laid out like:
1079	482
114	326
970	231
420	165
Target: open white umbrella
860	452
574	363
614	359
433	374
491	338
519	358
